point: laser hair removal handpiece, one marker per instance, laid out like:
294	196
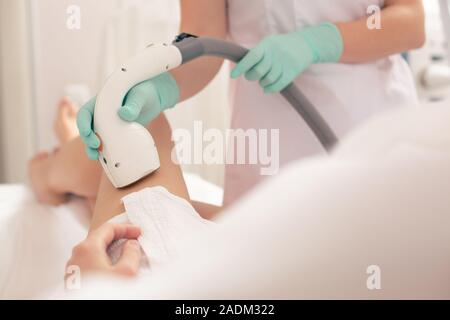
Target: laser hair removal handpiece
128	152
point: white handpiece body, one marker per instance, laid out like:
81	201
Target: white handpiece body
128	152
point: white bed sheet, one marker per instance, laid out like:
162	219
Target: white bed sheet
37	240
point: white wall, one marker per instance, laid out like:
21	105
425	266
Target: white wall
437	46
63	57
16	102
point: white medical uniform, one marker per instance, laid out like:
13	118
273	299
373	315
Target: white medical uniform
344	94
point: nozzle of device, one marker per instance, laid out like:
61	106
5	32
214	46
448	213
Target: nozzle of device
128	152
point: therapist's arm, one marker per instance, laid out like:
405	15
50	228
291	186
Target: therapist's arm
402	29
202	18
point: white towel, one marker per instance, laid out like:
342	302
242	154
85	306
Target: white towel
167	223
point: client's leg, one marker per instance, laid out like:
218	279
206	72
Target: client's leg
69	171
66	171
65	125
169	175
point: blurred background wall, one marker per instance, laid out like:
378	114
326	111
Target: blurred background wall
17	125
41	60
431	63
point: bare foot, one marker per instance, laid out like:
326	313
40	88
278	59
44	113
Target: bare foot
65	125
38	171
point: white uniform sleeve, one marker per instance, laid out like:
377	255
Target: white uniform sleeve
317	229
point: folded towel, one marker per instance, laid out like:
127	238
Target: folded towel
167	223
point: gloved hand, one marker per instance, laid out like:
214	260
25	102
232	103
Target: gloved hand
278	59
143	103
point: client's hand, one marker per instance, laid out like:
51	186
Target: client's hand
91	255
143	103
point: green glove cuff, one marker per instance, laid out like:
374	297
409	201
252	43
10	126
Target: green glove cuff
325	41
167	89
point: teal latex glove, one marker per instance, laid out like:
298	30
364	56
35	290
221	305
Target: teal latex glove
143	103
278	59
